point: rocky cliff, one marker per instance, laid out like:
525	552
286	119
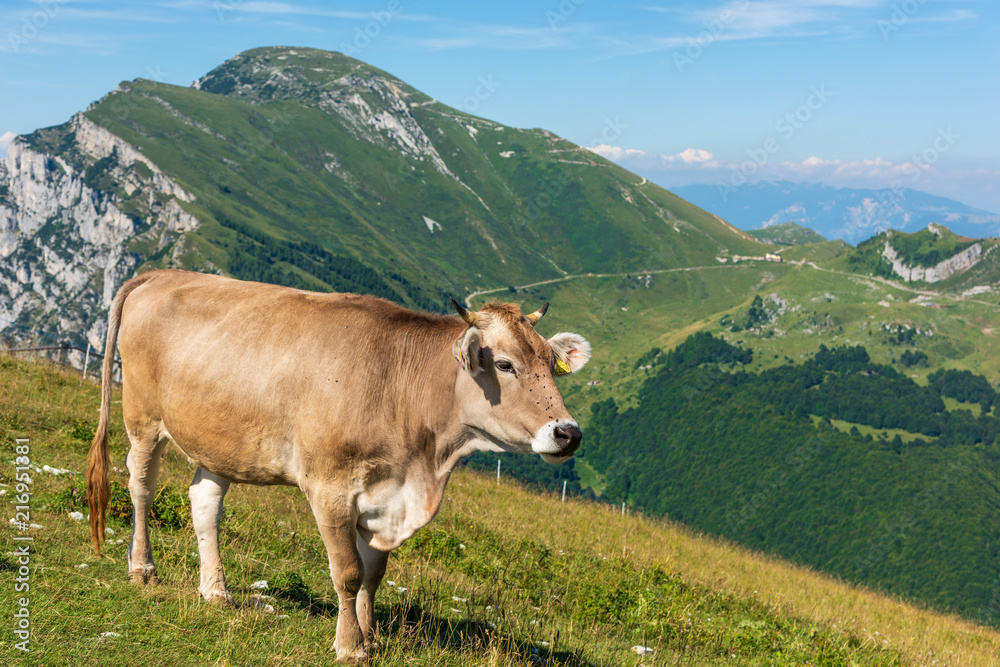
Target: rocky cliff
70	223
953	265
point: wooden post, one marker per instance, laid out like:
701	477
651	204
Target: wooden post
564	491
623	508
498	471
86	361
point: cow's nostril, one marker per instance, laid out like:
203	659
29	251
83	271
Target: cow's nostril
568	438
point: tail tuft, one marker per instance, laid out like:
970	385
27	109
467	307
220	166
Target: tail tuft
98	488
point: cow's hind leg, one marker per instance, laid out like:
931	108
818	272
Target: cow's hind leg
337	526
206	493
143	463
374	569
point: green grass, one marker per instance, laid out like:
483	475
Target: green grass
876	433
589	478
975	408
815	252
787	234
527	570
623	316
825	306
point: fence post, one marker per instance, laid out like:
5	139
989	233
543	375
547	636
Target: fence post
564	491
623	508
498	471
86	361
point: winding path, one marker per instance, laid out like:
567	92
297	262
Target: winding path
468	299
885	281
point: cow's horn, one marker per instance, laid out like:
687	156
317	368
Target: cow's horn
470	318
537	315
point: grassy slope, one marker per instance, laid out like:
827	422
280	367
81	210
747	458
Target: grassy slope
823	306
788	233
597	583
850	309
815	252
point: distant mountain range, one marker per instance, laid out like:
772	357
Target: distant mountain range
850	214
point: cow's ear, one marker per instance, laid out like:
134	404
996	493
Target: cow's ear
572	352
467	348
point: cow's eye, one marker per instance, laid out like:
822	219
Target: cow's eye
505	366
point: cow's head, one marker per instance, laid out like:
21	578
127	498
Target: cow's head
506	387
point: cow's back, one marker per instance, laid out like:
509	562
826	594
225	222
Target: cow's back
259	382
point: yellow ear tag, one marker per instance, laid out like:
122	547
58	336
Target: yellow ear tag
562	368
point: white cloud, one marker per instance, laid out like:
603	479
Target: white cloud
844	172
505	37
766	19
5	140
858	173
257	7
617	153
690	158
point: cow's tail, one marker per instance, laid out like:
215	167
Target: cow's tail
98	488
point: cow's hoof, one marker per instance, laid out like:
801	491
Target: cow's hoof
221	597
143	576
358	656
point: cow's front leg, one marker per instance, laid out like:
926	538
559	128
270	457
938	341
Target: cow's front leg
374	566
337	526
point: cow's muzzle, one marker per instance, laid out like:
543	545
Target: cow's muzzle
556	441
567	439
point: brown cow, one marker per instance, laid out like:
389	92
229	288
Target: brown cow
362	404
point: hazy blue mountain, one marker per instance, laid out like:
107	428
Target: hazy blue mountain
850	214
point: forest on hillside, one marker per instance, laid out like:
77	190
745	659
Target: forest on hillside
264	258
839	463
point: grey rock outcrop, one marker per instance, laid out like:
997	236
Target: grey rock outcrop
66	242
955	264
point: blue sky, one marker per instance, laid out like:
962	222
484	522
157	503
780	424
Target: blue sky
865	93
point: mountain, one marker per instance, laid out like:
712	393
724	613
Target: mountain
933	256
787	233
312	169
850	214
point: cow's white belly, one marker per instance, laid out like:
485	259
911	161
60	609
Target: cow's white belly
390	512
